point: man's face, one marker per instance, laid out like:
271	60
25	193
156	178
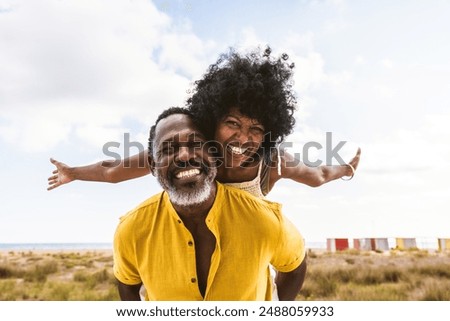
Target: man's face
182	164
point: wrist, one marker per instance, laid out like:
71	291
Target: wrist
349	172
72	173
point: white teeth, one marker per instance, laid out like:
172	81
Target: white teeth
237	150
188	173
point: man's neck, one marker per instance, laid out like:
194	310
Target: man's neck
198	211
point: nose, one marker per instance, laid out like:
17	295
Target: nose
187	157
243	135
184	154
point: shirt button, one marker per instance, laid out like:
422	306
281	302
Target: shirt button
193	280
190	243
179	221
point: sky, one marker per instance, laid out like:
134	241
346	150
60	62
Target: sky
77	74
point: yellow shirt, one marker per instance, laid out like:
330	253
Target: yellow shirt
153	247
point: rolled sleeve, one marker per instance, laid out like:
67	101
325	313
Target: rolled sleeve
290	251
125	270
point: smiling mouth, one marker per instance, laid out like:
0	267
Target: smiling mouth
236	150
187	173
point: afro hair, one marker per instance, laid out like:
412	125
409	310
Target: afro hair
259	85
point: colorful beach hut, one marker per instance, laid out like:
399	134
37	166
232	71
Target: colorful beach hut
406	243
371	244
444	244
334	245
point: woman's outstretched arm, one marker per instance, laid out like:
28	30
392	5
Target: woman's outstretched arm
313	176
110	171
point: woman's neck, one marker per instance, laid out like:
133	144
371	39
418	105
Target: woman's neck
237	174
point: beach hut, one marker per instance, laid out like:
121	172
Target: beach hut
444	244
371	244
405	243
364	244
334	245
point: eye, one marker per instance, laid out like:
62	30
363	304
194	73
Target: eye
232	123
195	144
167	148
257	130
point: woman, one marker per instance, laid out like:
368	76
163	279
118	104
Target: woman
245	104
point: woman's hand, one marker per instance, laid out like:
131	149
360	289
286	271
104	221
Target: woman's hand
61	175
355	160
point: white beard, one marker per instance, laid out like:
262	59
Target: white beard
195	197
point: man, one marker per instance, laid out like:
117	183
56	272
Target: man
199	239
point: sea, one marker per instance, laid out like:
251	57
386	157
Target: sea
55	246
92	246
422	243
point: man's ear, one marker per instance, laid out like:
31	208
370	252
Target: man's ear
151	164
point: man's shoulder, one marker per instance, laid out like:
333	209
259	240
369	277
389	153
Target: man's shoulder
143	208
246	199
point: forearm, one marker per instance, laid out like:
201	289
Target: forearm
331	172
316	176
113	171
129	292
97	172
290	283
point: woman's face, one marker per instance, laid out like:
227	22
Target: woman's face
238	138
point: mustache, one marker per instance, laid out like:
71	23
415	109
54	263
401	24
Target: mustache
190	163
194	163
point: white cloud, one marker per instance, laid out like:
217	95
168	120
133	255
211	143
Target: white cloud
383	91
32	130
175	44
248	39
387	63
309	71
41	127
360	60
406	151
309	64
75	47
300	43
75	66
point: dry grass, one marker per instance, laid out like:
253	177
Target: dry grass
350	275
57	276
371	276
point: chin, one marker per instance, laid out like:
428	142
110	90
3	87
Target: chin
238	163
196	196
193	193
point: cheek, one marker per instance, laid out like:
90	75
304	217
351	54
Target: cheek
222	134
162	164
259	138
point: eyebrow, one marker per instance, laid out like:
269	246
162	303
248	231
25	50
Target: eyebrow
233	115
196	135
258	123
191	137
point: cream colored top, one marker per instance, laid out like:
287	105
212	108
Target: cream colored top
253	186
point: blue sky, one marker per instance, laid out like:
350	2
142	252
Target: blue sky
75	75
